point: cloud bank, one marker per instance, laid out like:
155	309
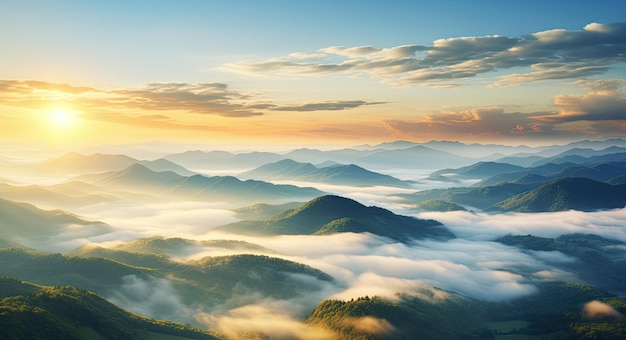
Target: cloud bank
547	55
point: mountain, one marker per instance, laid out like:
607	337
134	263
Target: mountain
26	224
416	157
171	186
553	311
74	164
565	194
222	159
582	156
339	174
477	197
438	205
30	311
333	214
201	284
479	170
261	211
66	195
177	246
550	171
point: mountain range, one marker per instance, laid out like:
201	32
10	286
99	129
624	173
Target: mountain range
334	214
338	174
171	186
75	164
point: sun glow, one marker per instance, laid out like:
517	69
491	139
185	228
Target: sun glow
62	118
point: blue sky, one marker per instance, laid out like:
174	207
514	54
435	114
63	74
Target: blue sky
346	71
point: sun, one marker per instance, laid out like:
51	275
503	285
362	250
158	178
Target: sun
62	118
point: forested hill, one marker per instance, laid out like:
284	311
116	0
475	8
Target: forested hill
334	214
28	311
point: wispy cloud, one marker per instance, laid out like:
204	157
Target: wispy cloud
551	54
197	98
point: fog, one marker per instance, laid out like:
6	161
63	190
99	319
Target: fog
472	265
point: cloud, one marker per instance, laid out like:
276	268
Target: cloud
479	226
597	309
151	296
475	123
337	105
600	112
196	98
551	54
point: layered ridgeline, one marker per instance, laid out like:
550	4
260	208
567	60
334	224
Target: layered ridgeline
334	214
566	194
168	185
28	225
338	174
29	311
156	286
546	187
76	163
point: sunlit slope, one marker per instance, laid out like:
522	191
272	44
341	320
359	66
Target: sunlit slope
203	283
178	246
333	214
24	223
38	312
556	311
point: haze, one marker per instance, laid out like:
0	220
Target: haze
171	139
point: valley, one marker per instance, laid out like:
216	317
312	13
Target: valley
311	248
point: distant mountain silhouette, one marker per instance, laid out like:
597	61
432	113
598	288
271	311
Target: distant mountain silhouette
565	194
75	163
24	223
477	197
479	170
338	174
415	157
222	159
333	214
169	185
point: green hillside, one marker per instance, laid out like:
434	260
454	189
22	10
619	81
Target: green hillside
565	194
554	312
438	205
331	214
37	312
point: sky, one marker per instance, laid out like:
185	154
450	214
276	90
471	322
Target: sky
297	73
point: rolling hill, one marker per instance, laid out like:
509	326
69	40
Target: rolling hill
565	194
333	214
30	311
26	224
339	174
